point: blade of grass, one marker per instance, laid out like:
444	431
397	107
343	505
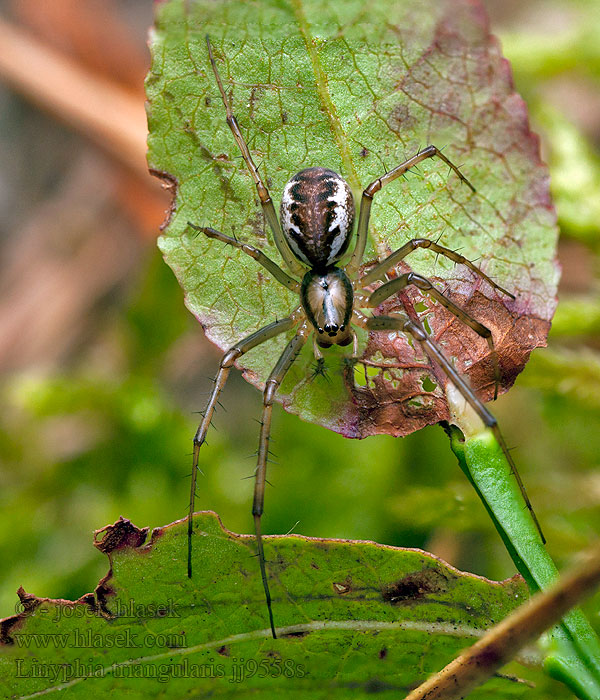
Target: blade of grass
573	655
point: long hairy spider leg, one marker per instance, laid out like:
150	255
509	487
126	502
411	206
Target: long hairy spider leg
227	361
379	271
372	189
272	384
403	323
253	252
263	193
425	285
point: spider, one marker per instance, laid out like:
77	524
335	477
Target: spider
317	216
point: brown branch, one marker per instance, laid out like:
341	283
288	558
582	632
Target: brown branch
111	116
475	665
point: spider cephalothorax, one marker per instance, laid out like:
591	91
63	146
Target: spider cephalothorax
317	222
327	299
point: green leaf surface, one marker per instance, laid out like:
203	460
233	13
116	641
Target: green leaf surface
353	617
358	89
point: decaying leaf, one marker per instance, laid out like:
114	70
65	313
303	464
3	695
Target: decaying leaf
357	88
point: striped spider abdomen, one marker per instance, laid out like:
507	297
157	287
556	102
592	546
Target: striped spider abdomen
317	216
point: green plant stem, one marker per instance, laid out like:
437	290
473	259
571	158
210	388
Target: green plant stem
573	653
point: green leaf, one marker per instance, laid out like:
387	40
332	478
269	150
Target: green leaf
354	618
357	91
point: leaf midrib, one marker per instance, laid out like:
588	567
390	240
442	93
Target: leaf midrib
350	173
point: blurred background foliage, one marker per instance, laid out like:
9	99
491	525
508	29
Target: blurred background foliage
103	367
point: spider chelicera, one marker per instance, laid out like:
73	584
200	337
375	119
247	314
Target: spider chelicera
317	218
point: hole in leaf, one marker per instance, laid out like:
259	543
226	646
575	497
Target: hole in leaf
360	378
427	383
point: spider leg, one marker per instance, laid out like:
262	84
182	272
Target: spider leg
403	323
422	283
227	361
263	193
368	194
272	384
379	271
253	252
